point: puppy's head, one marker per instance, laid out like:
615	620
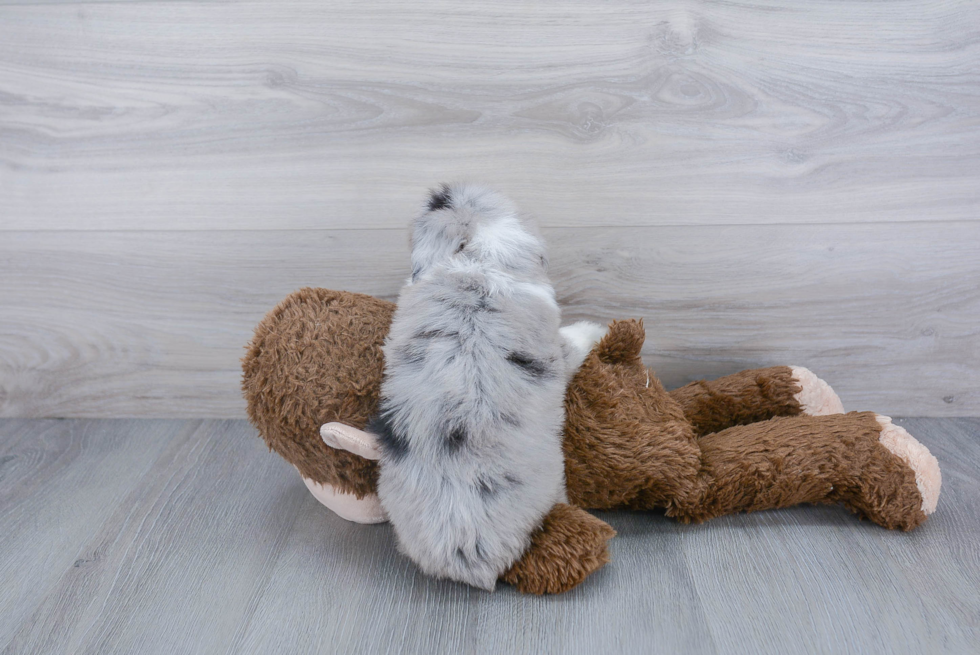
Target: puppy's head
475	224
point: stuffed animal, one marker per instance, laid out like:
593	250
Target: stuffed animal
755	440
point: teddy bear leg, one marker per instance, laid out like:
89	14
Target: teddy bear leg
928	478
855	459
570	545
755	395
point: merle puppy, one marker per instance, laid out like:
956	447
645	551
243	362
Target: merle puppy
472	400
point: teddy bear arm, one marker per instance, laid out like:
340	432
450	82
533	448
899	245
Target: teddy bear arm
569	546
740	399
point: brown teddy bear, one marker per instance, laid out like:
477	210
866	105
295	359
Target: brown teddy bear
758	439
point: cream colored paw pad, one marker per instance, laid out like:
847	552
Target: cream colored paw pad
816	398
927	476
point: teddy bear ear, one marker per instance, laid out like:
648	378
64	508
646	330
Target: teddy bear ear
344	437
623	342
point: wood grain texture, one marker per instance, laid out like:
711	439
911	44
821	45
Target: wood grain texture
304	114
776	181
220	549
154	323
59	481
863	589
198	533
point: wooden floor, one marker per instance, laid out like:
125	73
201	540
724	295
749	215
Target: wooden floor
187	536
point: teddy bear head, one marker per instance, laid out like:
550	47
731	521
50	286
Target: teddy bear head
314	359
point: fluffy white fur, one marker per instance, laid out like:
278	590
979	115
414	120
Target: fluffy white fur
578	340
472	401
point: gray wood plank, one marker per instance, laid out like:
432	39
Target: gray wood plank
359	595
846	586
950	572
175	567
298	114
59	481
138	323
221	549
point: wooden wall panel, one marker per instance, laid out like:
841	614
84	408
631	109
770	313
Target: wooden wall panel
311	114
153	323
764	182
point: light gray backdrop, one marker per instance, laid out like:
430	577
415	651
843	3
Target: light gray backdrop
775	182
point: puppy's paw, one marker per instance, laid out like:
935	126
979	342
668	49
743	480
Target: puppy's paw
578	339
584	334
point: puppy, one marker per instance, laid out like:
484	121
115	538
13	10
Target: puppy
470	427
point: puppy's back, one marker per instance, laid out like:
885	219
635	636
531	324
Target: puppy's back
472	404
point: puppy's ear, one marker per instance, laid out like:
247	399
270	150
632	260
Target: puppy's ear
426	235
440	198
420	245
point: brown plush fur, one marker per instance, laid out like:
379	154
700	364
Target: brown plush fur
806	459
627	442
739	399
704	450
314	359
569	546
